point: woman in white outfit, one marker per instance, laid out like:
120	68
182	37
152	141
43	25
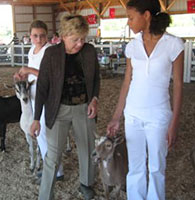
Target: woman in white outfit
38	34
150	123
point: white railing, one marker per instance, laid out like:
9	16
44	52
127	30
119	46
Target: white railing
14	54
17	55
189	61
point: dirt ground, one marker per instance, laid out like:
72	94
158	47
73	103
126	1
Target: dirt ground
18	183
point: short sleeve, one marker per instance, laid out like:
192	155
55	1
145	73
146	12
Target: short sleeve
177	48
129	49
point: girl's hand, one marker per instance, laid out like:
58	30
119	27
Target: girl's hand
172	135
112	127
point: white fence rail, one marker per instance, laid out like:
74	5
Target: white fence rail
189	62
14	54
17	55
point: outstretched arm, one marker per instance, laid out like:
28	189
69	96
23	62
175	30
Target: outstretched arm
28	70
113	125
23	73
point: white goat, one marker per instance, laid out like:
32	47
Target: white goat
22	89
111	156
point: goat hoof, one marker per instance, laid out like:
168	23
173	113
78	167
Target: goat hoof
3	150
32	169
68	150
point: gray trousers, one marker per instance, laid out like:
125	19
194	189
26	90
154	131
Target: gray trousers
83	130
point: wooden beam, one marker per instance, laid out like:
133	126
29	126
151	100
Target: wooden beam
163	5
105	8
30	2
123	4
80	8
64	7
93	7
171	4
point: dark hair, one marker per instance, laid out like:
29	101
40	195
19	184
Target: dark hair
160	20
38	24
56	34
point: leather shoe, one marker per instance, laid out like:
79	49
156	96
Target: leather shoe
58	178
87	191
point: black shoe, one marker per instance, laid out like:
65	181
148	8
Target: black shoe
60	178
87	191
39	175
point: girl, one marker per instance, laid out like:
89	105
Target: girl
38	35
150	124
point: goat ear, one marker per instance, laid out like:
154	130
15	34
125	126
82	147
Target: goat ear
8	86
118	140
31	82
96	135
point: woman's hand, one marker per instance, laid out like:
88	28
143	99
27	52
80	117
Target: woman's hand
35	128
112	127
92	108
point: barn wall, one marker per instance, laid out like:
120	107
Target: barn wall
24	15
179	6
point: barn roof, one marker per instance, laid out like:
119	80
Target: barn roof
99	6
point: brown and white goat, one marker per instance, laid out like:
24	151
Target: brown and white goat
111	156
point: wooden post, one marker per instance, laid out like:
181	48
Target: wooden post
53	20
13	18
34	12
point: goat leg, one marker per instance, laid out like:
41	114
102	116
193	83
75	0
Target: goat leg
117	192
68	146
106	191
38	158
30	143
192	156
2	134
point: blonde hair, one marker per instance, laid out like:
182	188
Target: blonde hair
73	24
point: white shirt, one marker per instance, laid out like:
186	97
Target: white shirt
34	61
151	75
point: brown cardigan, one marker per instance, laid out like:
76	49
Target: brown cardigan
51	79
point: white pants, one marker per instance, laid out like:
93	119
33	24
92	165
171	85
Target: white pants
146	138
41	139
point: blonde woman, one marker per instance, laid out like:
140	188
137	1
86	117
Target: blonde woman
68	87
